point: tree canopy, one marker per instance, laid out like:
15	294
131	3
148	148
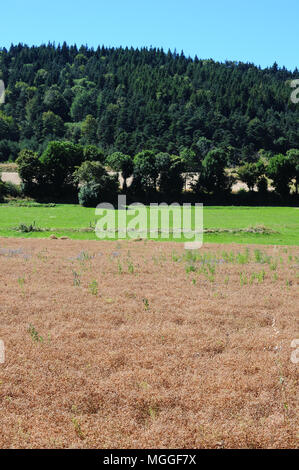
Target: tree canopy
128	100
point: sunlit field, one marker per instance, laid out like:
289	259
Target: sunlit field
263	225
140	344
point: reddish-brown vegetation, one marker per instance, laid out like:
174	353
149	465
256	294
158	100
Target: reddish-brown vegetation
115	345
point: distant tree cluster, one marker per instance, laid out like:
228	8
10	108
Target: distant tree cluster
129	100
283	170
69	171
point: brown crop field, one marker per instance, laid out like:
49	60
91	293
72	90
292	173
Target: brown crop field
143	345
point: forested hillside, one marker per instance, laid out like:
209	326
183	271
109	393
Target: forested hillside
129	100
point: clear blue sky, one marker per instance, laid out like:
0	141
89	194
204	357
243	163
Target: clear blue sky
259	31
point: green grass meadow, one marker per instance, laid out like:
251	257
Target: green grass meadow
280	225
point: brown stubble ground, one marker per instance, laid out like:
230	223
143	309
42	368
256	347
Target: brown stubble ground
203	365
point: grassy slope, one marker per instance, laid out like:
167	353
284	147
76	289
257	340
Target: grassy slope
283	220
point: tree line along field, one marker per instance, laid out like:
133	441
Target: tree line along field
200	357
263	225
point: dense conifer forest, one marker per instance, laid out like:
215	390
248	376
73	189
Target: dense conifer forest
129	100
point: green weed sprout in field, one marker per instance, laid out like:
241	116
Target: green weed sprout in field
21	282
34	334
94	287
76	278
130	267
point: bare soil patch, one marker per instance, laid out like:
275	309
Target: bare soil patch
131	345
